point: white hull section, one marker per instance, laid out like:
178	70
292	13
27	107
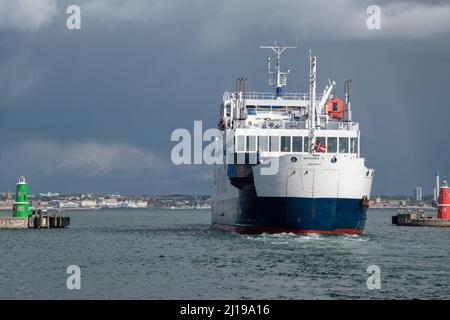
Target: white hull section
316	176
311	176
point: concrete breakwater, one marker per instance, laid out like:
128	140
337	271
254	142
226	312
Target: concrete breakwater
47	221
419	219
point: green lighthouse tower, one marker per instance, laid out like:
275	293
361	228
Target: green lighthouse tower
21	205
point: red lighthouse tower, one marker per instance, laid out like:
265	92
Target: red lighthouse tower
444	202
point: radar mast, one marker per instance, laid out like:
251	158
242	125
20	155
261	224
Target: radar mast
277	77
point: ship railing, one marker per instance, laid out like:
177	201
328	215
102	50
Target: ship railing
293	124
269	95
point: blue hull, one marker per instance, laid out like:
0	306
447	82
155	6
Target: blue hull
252	214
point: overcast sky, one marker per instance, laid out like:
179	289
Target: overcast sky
92	110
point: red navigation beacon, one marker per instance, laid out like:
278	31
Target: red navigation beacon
444	202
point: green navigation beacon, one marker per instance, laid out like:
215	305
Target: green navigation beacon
21	205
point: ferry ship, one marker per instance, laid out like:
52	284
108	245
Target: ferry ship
291	161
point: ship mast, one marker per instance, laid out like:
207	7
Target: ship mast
347	114
312	112
277	78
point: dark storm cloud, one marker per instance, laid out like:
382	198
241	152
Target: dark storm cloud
96	107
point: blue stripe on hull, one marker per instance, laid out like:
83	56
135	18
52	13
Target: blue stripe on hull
321	214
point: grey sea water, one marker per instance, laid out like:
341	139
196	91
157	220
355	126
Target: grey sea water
174	254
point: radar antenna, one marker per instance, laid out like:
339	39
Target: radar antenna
277	77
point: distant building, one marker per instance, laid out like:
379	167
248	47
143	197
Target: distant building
35	204
54	203
49	194
126	204
141	204
4	205
68	205
394	203
418	194
109	203
88	204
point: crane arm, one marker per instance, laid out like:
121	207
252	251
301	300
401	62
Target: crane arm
326	94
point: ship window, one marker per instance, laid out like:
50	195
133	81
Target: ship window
343	145
228	112
251	143
332	144
296	144
353	145
263	143
335	106
285	144
274	144
306	146
240	146
320	144
251	110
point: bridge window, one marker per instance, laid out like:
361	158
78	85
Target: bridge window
285	144
251	110
306	146
251	143
240	146
228	110
263	143
296	144
274	144
343	145
353	145
332	144
321	144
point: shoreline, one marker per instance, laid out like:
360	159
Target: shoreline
81	209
